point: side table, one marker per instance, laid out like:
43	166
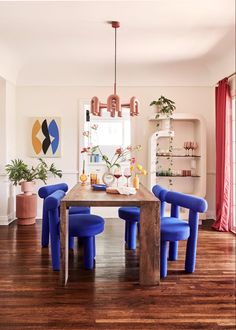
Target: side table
26	209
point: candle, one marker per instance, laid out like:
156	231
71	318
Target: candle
83	166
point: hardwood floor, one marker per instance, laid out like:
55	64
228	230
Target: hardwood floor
109	297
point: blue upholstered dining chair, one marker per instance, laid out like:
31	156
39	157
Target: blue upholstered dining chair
43	193
174	229
131	215
85	226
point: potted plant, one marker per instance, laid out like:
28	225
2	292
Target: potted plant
164	106
24	175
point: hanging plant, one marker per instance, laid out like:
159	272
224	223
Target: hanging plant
165	107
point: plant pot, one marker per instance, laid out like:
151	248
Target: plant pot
27	187
155	109
108	178
165	124
26	209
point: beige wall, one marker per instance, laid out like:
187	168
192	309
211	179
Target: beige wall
65	102
7	149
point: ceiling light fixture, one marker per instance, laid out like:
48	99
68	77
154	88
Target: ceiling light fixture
113	104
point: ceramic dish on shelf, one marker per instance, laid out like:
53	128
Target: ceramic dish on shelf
99	187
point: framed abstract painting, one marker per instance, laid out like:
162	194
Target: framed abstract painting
45	136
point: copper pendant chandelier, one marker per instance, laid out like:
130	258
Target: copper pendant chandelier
113	104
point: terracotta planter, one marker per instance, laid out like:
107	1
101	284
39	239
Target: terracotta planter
26	209
27	187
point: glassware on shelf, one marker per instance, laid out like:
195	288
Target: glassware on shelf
127	174
117	174
186	148
190	145
195	146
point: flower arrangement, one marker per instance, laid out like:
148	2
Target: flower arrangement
120	155
138	169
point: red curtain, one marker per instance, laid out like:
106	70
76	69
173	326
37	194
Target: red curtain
224	161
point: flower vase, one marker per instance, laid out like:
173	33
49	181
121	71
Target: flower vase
108	178
136	182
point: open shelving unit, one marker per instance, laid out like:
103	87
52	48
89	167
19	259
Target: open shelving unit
184	127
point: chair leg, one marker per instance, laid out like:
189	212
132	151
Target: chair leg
132	235
190	259
55	246
138	226
191	250
164	254
88	252
94	247
173	251
71	242
45	229
126	231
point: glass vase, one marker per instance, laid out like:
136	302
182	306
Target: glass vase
108	178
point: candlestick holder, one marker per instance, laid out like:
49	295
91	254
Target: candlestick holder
83	178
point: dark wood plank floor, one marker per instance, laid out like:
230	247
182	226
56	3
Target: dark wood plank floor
109	297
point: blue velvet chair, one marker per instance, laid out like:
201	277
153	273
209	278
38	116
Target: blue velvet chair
43	193
160	193
174	229
85	226
131	215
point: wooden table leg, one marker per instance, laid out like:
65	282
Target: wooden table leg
149	263
64	244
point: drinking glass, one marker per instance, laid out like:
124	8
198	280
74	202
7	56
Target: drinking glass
188	146
117	174
185	147
195	146
192	146
127	174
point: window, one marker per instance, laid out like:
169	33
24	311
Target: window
111	133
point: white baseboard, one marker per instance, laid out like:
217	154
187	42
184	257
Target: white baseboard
5	220
211	214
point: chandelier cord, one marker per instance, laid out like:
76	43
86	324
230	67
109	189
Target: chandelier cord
115	62
114	105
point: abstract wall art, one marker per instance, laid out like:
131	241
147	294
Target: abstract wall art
45	136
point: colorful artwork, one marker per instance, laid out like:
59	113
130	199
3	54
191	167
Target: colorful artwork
45	137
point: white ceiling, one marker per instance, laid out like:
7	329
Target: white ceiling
165	42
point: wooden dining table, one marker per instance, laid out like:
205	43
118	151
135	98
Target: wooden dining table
149	238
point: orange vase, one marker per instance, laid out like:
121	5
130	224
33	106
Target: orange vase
136	182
